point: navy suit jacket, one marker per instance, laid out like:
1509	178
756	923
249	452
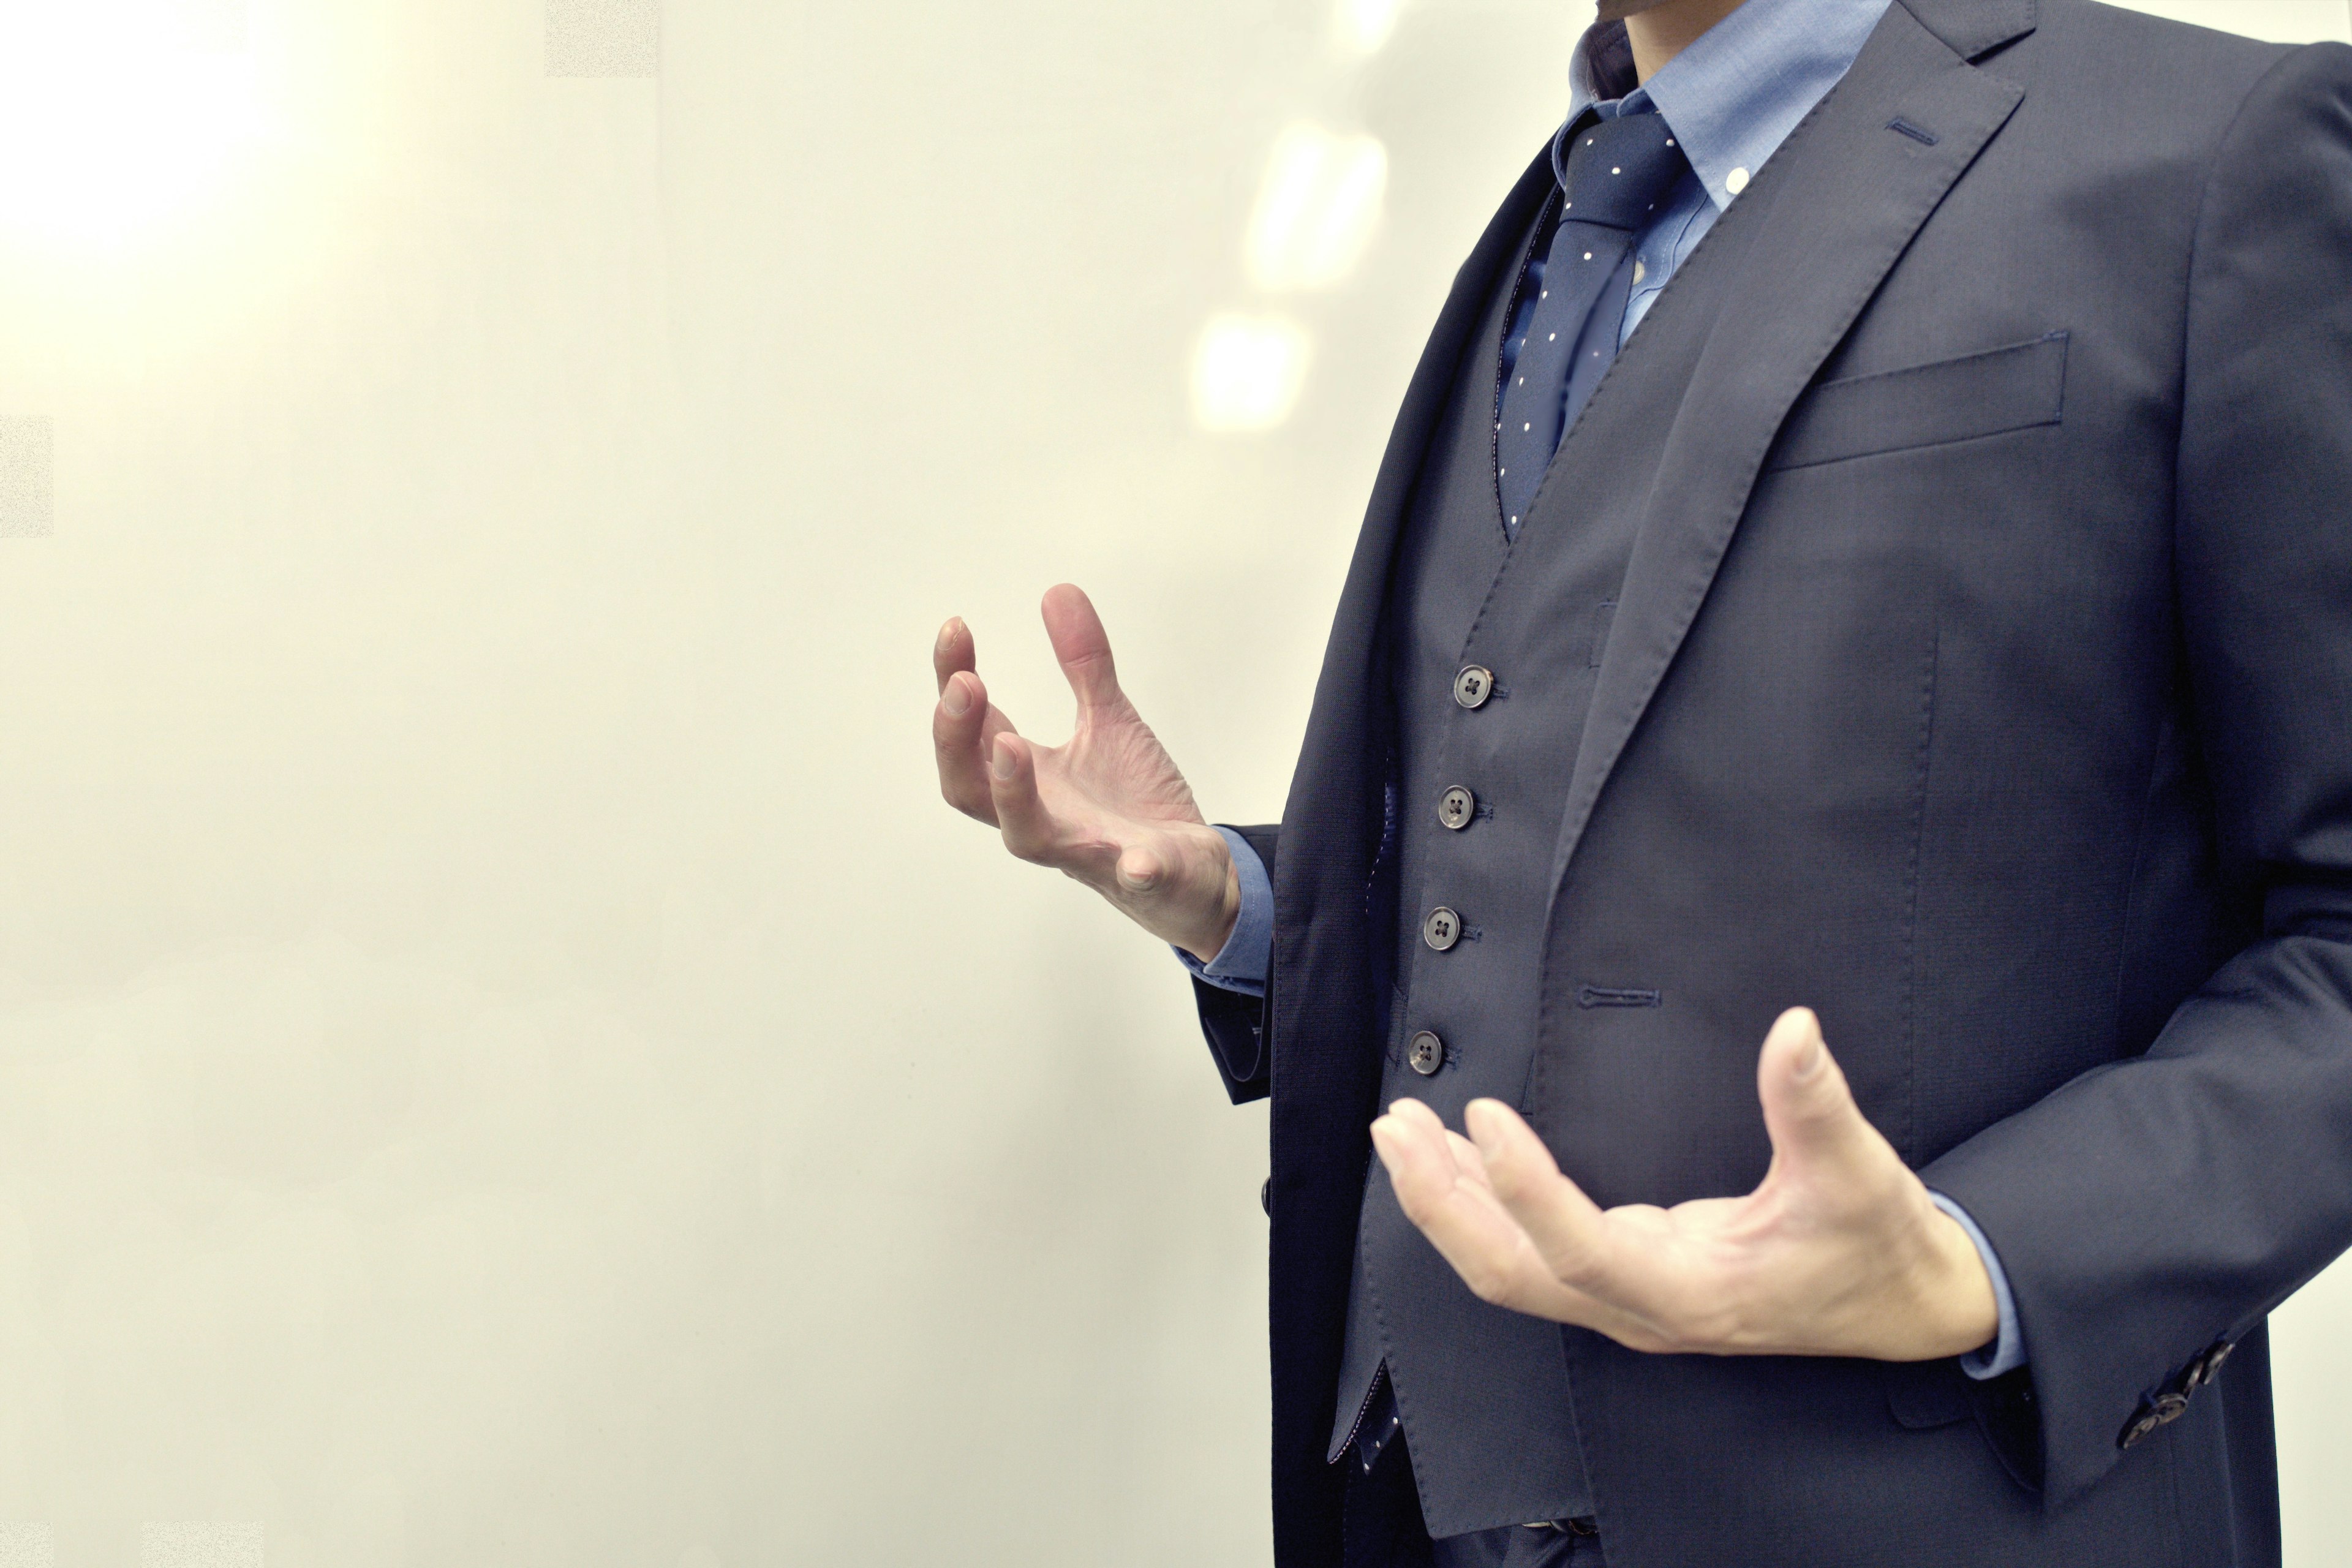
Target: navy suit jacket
1983	679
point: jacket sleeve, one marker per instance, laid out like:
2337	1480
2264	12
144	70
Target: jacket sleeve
2156	1209
1235	1023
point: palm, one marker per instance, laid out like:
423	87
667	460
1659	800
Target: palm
1115	769
1825	1256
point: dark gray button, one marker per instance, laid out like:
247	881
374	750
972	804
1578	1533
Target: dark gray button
1455	807
1265	1194
1426	1054
1442	930
1474	686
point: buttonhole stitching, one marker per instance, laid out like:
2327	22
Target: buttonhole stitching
1616	996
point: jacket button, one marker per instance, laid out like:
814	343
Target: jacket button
1474	686
1442	930
1455	807
1265	1194
2162	1411
2205	1366
1426	1054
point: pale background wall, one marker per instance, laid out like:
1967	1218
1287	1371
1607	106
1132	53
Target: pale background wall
503	1058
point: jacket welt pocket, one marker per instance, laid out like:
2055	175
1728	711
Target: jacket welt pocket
1979	395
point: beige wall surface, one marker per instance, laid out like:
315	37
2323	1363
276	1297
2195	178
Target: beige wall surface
503	1056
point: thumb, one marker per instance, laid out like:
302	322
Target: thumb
1809	1110
1082	647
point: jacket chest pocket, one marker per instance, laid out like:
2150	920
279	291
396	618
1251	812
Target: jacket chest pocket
1964	399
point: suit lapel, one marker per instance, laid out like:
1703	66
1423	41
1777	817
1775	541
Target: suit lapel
1839	204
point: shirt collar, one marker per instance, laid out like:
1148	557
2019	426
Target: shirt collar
1735	94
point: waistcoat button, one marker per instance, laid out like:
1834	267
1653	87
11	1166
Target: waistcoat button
1455	807
1427	1054
1474	686
1443	928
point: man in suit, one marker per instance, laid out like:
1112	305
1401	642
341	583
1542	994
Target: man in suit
1865	557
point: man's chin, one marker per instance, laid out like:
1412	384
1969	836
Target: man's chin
1618	10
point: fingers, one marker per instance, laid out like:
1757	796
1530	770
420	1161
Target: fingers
962	724
1029	828
1809	1108
951	651
1469	1165
1472	1232
955	744
1082	647
1567	1228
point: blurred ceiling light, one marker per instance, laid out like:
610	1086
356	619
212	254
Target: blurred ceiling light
1247	371
112	119
1316	210
1365	24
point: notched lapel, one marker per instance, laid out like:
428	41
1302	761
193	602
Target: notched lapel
1974	28
1846	194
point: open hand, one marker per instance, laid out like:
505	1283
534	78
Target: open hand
1839	1252
1109	807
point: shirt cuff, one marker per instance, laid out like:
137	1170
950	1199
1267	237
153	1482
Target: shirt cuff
1241	964
2007	1351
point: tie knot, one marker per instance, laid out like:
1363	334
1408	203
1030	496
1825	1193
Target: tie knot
1618	170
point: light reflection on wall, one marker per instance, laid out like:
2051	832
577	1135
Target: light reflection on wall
1247	371
1319	205
1365	24
1316	209
119	115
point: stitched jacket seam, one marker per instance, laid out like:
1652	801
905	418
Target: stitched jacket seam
2042	423
1909	1142
1941	365
2131	883
2189	272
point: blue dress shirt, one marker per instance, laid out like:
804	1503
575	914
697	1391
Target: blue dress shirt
1732	98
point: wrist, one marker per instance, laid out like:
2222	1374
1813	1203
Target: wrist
1957	1311
1225	912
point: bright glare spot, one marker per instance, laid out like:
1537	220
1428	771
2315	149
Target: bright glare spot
114	116
1365	24
1316	210
1247	371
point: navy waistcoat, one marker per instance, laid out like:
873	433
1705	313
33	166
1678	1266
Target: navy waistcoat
1480	777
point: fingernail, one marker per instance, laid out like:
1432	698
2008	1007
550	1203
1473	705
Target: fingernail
947	632
1001	761
1809	1061
954	699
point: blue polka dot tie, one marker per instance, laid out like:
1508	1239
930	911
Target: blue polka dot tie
1614	175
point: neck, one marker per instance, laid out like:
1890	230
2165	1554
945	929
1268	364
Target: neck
1661	31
